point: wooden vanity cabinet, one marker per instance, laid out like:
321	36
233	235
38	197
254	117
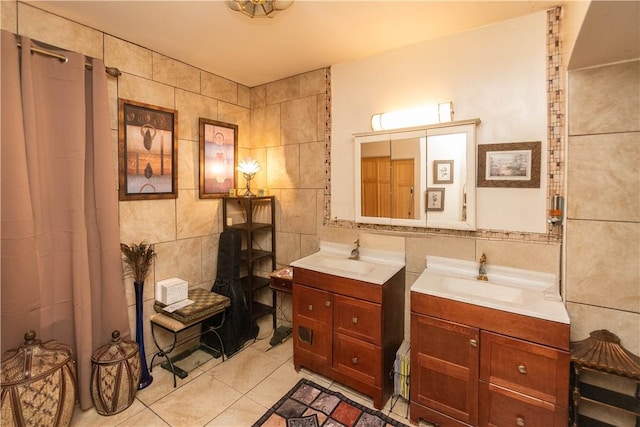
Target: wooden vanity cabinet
472	365
348	330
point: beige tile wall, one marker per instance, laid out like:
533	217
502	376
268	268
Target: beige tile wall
603	201
603	216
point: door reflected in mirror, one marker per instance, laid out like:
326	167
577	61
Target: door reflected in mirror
420	177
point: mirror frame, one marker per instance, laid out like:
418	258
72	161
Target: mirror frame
466	126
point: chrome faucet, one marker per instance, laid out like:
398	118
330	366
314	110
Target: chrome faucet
482	272
355	253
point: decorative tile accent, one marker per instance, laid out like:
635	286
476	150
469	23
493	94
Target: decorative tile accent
555	153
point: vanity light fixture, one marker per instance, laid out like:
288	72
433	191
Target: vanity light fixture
248	167
259	8
427	115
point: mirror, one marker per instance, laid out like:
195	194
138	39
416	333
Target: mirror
422	177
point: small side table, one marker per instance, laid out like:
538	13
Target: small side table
603	352
281	281
206	304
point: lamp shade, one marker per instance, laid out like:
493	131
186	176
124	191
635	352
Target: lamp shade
249	166
420	116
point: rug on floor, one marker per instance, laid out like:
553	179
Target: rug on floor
309	405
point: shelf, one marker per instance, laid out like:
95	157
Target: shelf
256	283
256	226
260	310
584	421
612	399
256	254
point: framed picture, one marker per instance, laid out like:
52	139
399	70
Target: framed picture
515	164
218	158
443	171
147	151
435	199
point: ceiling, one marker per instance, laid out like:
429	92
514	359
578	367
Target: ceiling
311	34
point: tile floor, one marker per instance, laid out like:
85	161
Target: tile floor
232	393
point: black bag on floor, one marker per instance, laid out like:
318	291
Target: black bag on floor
238	327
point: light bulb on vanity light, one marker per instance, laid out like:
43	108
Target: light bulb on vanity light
420	116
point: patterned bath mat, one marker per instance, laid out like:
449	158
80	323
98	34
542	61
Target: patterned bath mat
309	405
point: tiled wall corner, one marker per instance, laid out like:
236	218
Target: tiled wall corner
283	90
219	88
128	57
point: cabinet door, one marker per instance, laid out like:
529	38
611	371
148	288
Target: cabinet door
444	367
312	318
357	318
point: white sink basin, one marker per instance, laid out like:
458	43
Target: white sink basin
350	265
480	289
373	266
526	292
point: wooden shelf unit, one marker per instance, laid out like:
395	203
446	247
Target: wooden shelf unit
257	222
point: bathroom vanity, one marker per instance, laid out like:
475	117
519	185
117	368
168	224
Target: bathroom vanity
492	353
348	318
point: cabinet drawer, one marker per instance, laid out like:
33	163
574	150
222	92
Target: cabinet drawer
504	408
358	359
357	318
312	304
539	371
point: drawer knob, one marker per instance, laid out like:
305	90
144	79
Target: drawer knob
327	303
354	360
354	319
310	307
520	421
522	369
473	342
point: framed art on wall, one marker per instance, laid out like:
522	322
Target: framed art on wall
147	151
443	171
435	199
515	164
218	158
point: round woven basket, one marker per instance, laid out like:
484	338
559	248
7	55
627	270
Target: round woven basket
115	375
38	384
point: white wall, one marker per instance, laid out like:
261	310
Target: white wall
496	73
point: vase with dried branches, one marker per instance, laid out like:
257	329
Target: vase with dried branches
138	259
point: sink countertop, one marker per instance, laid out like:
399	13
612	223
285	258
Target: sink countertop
525	292
373	265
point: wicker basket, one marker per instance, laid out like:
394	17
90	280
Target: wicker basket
38	384
115	375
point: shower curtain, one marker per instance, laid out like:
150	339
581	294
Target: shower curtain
61	268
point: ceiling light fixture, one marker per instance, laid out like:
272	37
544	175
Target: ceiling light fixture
259	8
427	115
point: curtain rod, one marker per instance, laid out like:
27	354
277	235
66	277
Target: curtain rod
112	71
